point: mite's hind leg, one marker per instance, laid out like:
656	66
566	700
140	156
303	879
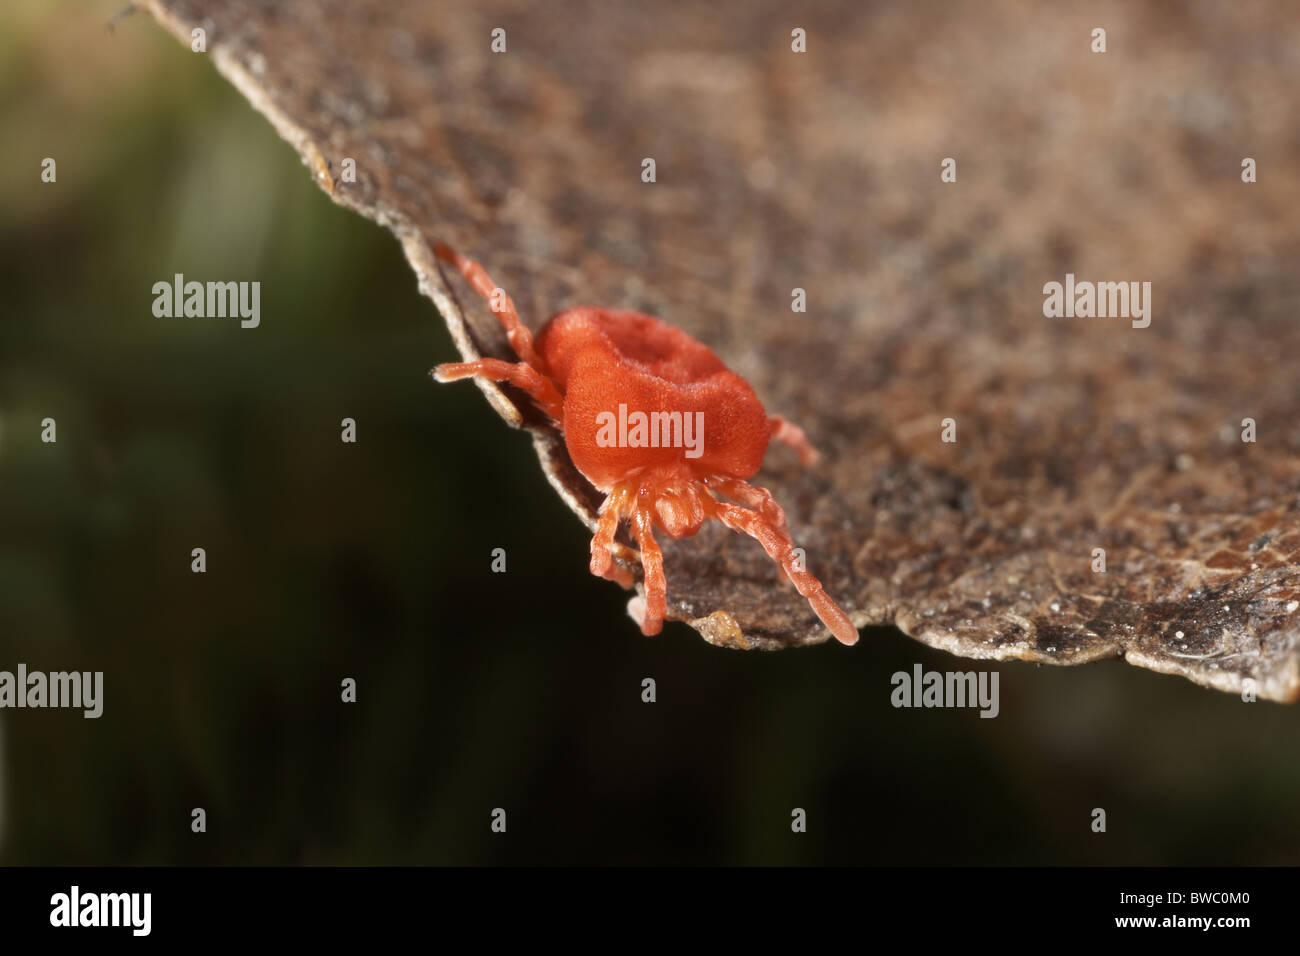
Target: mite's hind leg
788	433
521	340
540	388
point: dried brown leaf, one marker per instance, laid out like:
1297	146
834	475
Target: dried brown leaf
820	171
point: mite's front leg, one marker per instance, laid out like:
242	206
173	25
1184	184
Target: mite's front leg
656	585
774	543
603	544
760	499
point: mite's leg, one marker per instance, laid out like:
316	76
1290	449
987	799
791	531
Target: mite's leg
603	544
756	526
626	553
540	388
621	575
791	434
760	499
652	559
521	340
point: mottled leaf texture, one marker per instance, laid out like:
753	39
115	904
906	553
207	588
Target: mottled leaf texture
821	171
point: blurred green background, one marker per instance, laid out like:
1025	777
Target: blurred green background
327	560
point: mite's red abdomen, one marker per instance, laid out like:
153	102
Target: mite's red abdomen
613	365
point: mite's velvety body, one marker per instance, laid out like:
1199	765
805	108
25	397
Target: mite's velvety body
589	370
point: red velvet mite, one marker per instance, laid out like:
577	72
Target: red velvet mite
653	419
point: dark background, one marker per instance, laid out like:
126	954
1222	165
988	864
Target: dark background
327	560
